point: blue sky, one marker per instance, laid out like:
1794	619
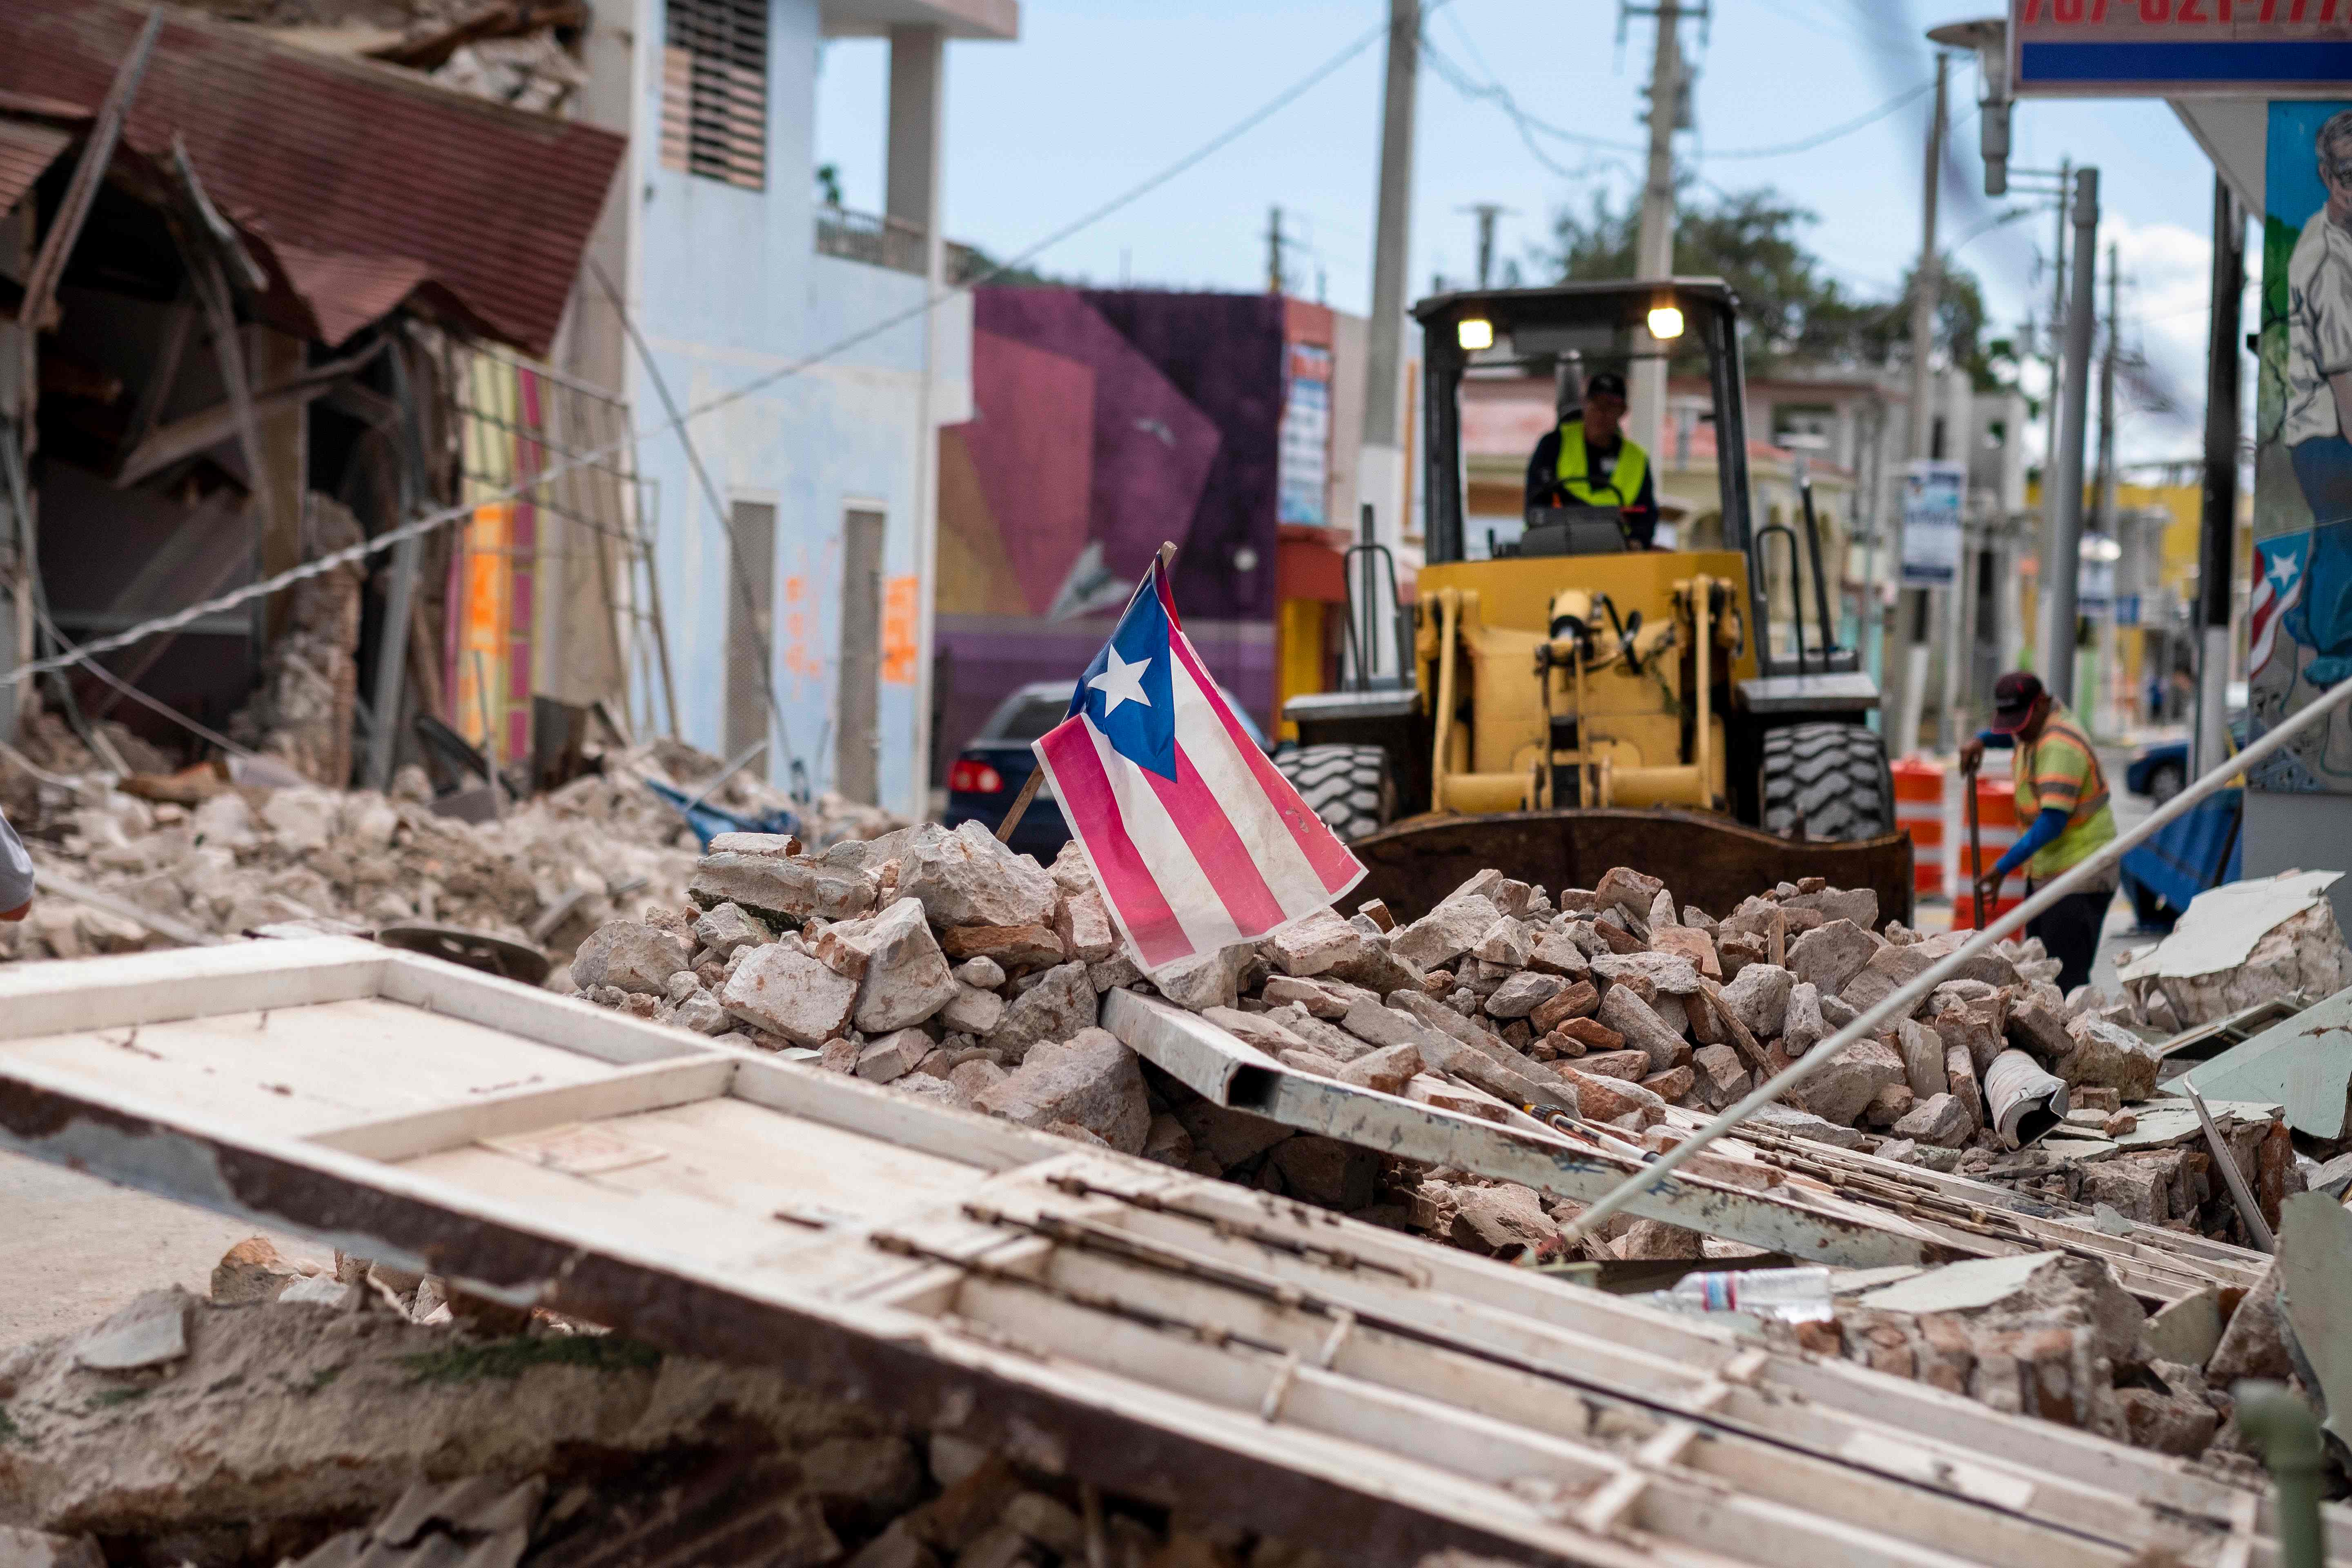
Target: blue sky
1097	95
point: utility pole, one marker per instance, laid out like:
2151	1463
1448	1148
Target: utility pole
2056	357
2063	561
1381	479
2217	550
1653	246
2101	698
1274	249
1487	212
1926	289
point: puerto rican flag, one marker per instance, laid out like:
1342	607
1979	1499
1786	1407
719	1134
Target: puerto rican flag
1198	841
2279	567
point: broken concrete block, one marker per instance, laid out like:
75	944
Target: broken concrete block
1759	997
1856	905
1502	1221
1722	1077
1008	947
1209	980
1314	943
1693	945
1258	1029
2109	1055
1507	943
1092	1080
972	1011
1647	1240
903	976
1608	1099
984	972
972	1076
784	990
1628	891
1790	1122
723	928
1328	1038
967	878
1446	933
1664	972
1888	1106
1555	952
1380	1025
1673	1084
1063	1002
1832	954
1961	1081
892	1056
1922	1049
1631	1017
1592	1033
1523	993
252	1270
630	954
1387	1069
149	1330
1938	1119
1083	923
1573	1001
1324	998
1843	1091
780	891
1802	1027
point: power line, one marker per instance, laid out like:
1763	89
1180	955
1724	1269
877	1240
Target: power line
1833	132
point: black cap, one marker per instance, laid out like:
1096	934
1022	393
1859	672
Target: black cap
1605	383
2013	697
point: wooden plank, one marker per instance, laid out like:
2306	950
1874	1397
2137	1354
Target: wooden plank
856	1106
528	1012
648	1087
81	994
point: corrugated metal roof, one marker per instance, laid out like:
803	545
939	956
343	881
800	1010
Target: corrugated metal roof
26	150
374	174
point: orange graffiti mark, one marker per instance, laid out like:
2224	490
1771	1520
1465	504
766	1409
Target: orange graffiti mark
900	627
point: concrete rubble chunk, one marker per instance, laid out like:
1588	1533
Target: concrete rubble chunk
1722	1077
1556	952
970	1078
1522	993
973	1010
1082	920
1112	973
1890	1105
1923	1059
1671	974
2039	1030
1593	1035
2108	1055
1060	1005
1324	998
1803	1027
1938	1119
1072	871
1790	1122
630	954
1611	1099
1387	1070
1503	1221
723	928
1857	905
903	977
781	891
1832	954
252	1270
39	1548
1226	1136
1626	890
984	973
784	990
1507	943
1694	946
1315	944
1447	931
967	878
1009	947
1258	1029
1380	1025
1843	1091
1327	1171
1208	979
1328	1038
1759	997
1631	1065
893	1057
1631	1017
1092	1080
149	1330
1575	1001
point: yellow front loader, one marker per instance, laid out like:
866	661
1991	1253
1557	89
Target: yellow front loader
1558	701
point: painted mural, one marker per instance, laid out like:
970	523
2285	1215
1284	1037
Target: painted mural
1105	422
2299	619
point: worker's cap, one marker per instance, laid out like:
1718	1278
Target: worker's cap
1607	384
2013	697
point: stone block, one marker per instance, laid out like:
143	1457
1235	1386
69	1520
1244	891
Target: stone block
1061	1004
1508	943
784	990
1723	1078
1082	921
1258	1029
1009	947
780	889
1938	1119
1759	997
1673	1084
1091	1080
1314	943
1663	973
984	973
1576	1000
2110	1057
903	977
723	928
1387	1069
1843	1091
1502	1221
631	954
1593	1035
1628	891
1832	954
972	1011
1523	993
1922	1049
893	1057
1631	1017
1210	980
1689	943
1802	1027
1608	1099
967	878
1446	933
1325	998
1630	1065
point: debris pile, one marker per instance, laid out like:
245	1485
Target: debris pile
198	850
182	1431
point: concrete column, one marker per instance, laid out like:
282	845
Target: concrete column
912	196
1381	481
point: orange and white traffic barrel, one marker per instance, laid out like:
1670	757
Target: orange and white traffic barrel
1919	812
1997	829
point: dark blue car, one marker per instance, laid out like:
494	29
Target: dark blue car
2161	770
994	765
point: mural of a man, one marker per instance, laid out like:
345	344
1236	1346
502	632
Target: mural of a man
2319	403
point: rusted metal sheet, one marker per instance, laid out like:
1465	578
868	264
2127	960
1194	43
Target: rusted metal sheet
1708	861
1176	1339
28	148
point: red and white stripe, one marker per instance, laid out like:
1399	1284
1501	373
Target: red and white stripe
1223	853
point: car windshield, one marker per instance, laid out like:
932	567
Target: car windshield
1027	720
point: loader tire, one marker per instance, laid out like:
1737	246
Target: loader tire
1351	788
1826	781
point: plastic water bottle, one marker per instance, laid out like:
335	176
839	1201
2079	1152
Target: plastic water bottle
1789	1295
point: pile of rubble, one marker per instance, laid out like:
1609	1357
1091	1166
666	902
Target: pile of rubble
203	853
255	1428
942	965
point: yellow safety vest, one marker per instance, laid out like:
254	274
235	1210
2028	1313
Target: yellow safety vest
1622	489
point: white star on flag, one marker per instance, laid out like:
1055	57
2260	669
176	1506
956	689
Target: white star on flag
1122	682
2284	569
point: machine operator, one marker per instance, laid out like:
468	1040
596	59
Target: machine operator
1589	461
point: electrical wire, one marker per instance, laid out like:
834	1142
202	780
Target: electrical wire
1823	138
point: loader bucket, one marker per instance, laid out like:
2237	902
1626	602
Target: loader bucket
1707	860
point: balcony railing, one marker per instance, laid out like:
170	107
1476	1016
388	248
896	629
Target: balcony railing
873	240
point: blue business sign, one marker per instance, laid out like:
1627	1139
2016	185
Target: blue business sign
2177	49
